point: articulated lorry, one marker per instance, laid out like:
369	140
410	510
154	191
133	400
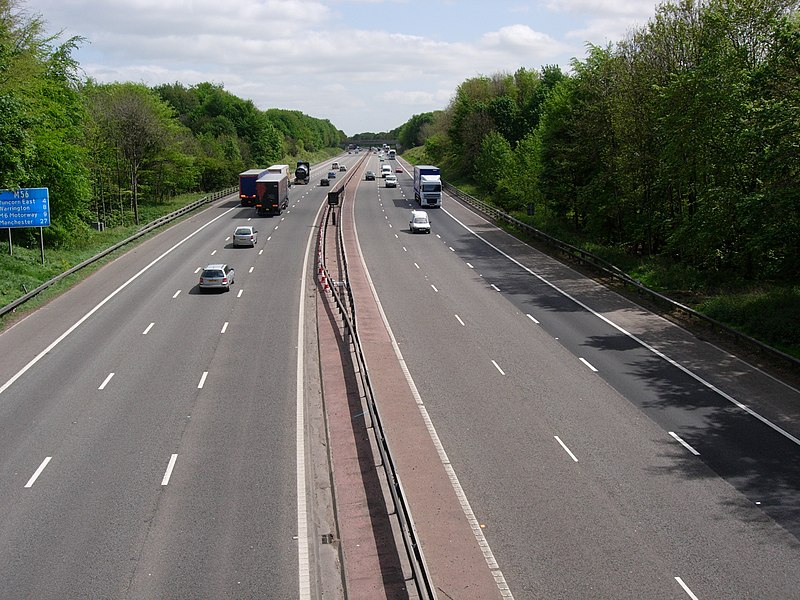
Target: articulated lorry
427	185
302	174
272	191
247	186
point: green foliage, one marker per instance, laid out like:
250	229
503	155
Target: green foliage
772	315
416	130
681	141
304	133
494	160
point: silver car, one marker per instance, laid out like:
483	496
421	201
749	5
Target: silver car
217	276
245	236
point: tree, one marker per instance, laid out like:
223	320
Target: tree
494	161
139	124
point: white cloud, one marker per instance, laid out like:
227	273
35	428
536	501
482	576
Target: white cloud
521	38
366	65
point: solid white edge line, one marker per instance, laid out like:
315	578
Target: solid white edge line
684	443
202	380
38	472
564	446
224	327
532	319
588	364
303	561
148	328
497	289
686	588
105	381
102	303
483	544
635	338
496	366
170	467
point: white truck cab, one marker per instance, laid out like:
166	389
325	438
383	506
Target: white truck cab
419	222
386	170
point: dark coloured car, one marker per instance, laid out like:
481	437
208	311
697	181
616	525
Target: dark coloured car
324	181
369	176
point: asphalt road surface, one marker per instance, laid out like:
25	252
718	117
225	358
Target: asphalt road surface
148	432
605	452
148	438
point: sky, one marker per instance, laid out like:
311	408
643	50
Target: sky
365	65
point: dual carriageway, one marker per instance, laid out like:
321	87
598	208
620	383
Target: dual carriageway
161	443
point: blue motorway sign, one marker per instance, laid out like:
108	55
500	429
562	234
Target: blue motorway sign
25	207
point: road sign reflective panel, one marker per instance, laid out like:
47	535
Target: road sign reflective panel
25	207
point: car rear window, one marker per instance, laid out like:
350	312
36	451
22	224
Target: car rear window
213	273
242	231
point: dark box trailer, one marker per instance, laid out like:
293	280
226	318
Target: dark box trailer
272	193
247	186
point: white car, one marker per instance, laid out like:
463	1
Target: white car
245	236
217	276
419	222
391	181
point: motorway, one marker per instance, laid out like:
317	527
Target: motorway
148	432
605	452
152	437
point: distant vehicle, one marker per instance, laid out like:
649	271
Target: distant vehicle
302	174
369	176
335	166
273	193
392	153
245	235
342	168
391	180
398	169
217	276
247	186
385	170
324	181
419	222
331	174
427	185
